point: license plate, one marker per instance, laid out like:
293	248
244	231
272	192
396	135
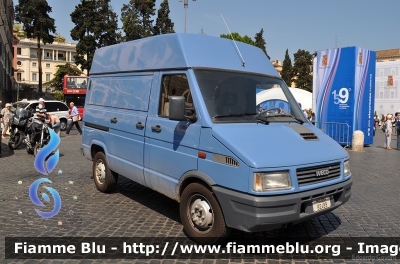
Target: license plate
321	204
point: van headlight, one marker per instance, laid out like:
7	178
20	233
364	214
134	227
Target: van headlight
346	168
270	181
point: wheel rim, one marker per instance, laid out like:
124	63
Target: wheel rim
200	214
100	172
63	126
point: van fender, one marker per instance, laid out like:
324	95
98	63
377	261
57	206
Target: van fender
99	143
192	174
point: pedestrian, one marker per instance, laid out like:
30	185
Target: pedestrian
388	131
398	130
305	113
40	112
54	123
313	118
74	114
7	115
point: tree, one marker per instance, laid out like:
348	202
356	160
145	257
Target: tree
287	69
63	69
37	24
96	26
58	95
136	19
20	30
59	38
237	37
302	69
164	25
260	42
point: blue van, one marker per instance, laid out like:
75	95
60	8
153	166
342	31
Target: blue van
177	113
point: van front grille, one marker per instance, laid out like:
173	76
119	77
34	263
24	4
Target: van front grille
225	160
316	174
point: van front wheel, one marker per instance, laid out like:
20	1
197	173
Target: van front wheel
105	179
201	215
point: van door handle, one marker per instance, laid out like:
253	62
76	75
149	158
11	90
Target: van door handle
156	128
139	125
114	120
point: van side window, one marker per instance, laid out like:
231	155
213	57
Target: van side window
175	85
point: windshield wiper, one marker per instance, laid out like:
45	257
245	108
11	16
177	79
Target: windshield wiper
264	118
282	115
234	114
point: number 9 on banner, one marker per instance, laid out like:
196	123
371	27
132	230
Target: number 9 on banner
342	96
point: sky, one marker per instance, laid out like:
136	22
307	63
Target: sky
310	25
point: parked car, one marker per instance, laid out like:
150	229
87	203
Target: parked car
53	107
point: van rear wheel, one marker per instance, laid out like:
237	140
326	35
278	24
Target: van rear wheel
201	215
105	179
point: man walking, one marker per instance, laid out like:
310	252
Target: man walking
388	131
74	114
6	113
398	129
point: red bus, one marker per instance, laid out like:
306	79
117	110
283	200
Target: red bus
75	91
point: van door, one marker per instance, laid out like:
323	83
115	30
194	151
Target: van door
171	147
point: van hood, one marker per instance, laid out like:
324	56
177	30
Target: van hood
277	144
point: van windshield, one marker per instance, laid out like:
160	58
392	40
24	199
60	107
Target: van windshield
232	97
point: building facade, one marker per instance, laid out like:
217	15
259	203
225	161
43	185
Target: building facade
6	50
388	55
387	87
27	71
387	82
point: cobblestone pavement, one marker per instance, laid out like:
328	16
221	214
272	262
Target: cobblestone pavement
136	211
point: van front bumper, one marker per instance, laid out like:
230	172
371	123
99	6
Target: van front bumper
252	213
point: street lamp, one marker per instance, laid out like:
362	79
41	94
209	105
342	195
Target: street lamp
185	5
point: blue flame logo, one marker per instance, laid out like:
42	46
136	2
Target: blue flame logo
45	152
35	199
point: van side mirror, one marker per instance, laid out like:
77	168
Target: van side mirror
177	108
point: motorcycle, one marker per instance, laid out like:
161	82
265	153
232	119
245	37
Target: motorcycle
18	128
37	137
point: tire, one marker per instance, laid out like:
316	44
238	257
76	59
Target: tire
202	228
36	149
105	179
63	125
16	142
29	150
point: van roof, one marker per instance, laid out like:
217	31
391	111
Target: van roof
178	51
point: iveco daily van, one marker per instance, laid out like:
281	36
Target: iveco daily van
177	113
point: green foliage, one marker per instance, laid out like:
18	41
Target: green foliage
96	26
37	24
20	30
59	38
136	17
287	69
260	42
63	69
164	25
302	69
58	95
237	37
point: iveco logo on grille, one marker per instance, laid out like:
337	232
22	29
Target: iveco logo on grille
320	173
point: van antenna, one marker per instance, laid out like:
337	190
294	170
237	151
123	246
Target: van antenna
240	54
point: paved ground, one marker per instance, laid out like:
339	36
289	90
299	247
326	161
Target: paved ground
133	210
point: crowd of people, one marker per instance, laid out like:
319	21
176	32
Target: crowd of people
53	121
310	115
389	124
